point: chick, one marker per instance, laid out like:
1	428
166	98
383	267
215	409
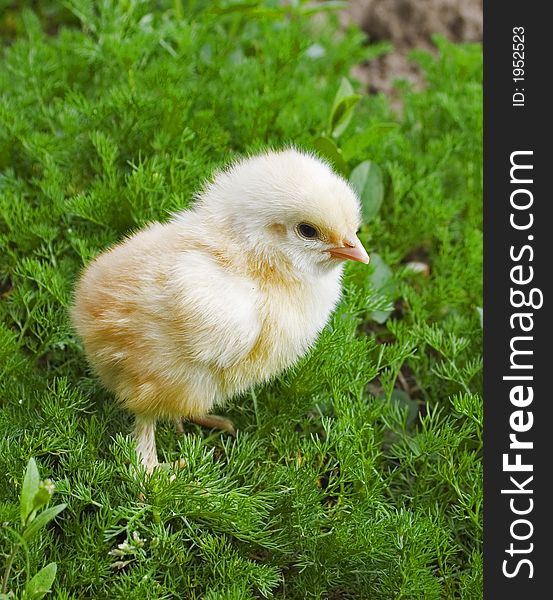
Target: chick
182	315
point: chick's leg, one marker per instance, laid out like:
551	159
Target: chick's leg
214	422
145	436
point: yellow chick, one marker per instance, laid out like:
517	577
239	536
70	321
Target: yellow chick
184	314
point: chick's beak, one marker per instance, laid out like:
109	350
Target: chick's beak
351	249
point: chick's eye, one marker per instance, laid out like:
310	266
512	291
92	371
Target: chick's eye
307	231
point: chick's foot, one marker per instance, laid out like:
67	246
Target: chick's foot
211	422
145	436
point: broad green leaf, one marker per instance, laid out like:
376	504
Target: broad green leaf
41	583
41	520
342	115
357	143
43	495
381	280
381	273
342	108
368	182
29	489
344	91
380	316
403	399
330	150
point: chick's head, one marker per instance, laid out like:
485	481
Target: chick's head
287	208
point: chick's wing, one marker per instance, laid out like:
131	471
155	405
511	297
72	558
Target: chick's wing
216	310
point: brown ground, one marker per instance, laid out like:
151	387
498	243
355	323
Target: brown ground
409	24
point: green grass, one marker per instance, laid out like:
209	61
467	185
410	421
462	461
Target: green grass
358	473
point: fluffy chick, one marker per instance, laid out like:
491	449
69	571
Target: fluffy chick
184	314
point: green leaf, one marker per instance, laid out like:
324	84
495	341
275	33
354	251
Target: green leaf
29	489
381	273
480	312
328	148
42	497
368	182
42	582
381	281
380	316
358	142
42	520
405	401
240	7
342	108
314	8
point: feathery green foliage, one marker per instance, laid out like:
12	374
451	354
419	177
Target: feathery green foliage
358	473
